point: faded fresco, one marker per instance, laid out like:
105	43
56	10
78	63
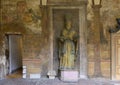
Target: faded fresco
108	14
24	17
30	19
20	12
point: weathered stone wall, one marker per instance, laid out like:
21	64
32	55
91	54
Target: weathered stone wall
23	16
35	54
2	57
108	13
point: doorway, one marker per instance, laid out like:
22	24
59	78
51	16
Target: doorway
115	51
14	55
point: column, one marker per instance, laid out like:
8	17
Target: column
97	62
83	41
51	72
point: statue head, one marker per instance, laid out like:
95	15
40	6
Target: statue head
68	25
68	21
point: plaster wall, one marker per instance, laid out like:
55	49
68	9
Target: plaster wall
24	17
108	14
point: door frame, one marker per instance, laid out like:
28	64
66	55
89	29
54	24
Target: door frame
114	37
15	33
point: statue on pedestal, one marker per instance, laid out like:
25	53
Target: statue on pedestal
68	46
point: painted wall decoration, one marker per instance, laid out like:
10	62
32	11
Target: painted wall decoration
108	13
19	14
30	19
23	17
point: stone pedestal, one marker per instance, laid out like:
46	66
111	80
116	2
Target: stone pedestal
69	75
51	74
24	71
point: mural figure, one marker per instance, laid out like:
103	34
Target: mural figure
68	46
31	19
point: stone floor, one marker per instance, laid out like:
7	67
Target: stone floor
15	79
16	74
46	81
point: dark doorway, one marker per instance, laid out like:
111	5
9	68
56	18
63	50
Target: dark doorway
14	54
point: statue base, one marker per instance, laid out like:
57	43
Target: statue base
69	75
51	74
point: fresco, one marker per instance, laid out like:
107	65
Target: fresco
20	12
108	14
30	19
25	15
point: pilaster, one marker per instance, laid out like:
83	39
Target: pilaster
51	72
83	42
